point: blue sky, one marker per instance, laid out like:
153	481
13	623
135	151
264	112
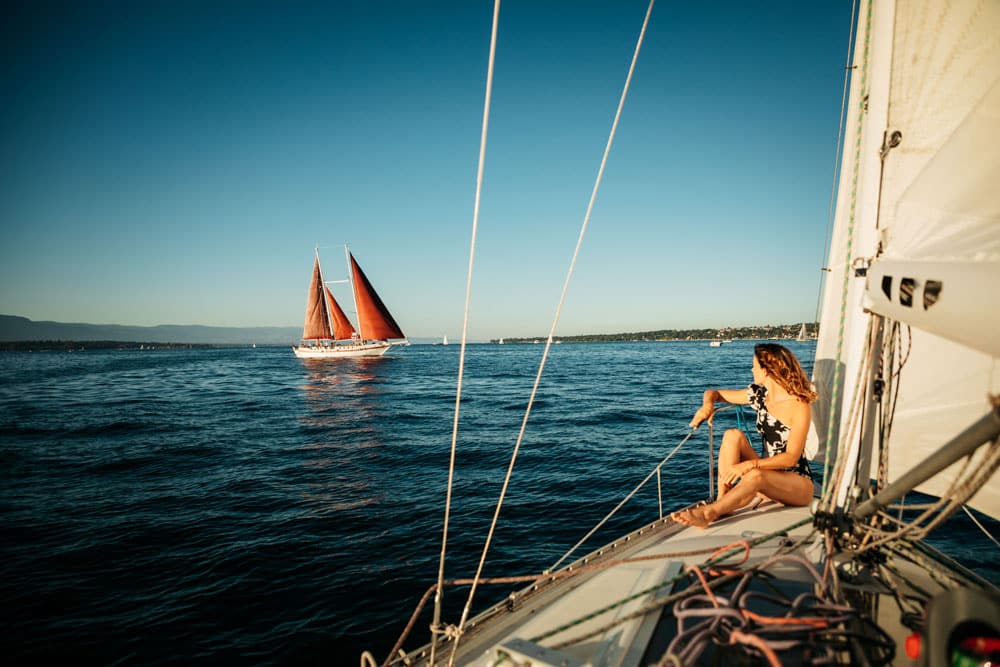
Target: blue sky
177	162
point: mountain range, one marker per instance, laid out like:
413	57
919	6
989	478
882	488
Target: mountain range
14	328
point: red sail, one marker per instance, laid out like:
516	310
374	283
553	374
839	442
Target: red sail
342	327
374	319
317	324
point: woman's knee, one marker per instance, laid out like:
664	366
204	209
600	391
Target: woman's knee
754	478
733	438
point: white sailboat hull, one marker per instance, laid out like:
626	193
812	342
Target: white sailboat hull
370	349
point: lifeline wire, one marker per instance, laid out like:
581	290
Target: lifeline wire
655	471
555	321
610	514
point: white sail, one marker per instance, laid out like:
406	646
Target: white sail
941	206
929	225
843	322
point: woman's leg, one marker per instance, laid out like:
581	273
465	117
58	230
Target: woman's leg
788	488
735	448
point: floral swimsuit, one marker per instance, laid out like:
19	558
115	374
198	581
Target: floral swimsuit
774	433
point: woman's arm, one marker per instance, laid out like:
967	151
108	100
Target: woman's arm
711	397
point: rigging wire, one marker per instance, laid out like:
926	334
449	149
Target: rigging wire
465	319
555	320
835	384
836	158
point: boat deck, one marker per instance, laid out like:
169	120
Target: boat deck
625	614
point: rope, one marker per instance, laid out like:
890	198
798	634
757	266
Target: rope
555	321
465	317
717	555
853	422
657	604
981	527
732	622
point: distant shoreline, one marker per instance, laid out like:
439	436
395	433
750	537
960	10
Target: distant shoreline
765	332
82	345
784	332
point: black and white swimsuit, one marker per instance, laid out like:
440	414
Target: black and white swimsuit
773	432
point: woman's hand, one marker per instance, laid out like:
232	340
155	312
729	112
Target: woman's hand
704	412
737	471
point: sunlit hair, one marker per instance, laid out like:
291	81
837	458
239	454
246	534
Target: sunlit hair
780	363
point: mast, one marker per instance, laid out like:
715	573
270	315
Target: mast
322	285
354	291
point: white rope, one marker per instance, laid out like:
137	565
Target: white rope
555	321
981	526
465	321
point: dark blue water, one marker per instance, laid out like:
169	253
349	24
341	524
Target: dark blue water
240	506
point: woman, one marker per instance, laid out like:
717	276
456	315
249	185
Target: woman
781	394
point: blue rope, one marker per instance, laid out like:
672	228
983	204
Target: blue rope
741	423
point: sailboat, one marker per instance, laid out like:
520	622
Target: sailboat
803	334
907	370
329	334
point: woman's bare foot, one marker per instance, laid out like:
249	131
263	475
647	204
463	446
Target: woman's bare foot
699	517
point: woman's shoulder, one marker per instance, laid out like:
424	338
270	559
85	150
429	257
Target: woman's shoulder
790	410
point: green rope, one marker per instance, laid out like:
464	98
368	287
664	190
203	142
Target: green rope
837	380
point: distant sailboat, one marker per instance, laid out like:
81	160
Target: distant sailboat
329	334
803	334
444	341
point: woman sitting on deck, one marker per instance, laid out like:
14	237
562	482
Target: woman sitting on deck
781	394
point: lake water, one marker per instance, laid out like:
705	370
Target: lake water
240	506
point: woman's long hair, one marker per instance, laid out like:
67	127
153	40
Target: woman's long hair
780	363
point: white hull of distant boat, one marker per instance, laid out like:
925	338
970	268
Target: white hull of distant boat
376	349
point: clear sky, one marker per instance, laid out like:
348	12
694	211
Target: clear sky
177	162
